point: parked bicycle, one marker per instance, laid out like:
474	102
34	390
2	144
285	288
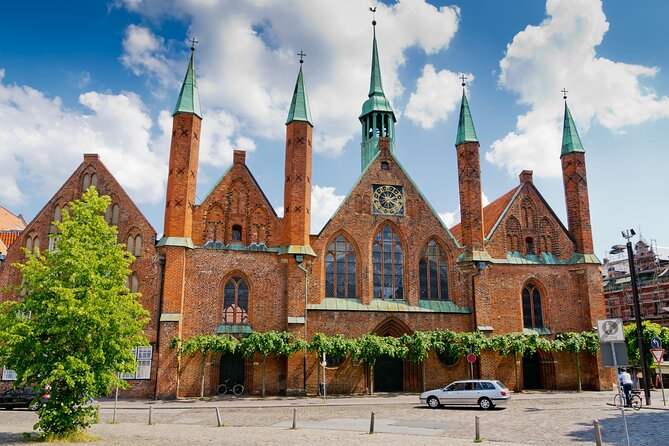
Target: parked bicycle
228	386
635	400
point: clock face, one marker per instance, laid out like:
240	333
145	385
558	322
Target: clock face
388	200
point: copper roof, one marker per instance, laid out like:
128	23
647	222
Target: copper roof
491	214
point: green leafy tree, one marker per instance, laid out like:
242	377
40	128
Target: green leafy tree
206	346
418	344
270	343
369	347
446	341
76	324
336	346
576	343
650	330
519	345
473	342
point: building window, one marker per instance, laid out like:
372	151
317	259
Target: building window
532	316
433	272
529	246
236	233
134	282
387	262
235	301
134	245
340	278
385	165
114	214
143	356
447	359
8	375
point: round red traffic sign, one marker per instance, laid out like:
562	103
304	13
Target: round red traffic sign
471	357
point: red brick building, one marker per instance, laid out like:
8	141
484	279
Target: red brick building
384	263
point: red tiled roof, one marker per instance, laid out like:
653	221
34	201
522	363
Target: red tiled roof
491	213
9	221
8	237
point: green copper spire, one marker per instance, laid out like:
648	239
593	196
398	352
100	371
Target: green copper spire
571	142
375	85
466	131
377	101
299	106
189	98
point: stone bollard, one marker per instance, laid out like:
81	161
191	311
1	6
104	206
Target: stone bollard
371	424
150	415
218	417
294	418
598	433
477	429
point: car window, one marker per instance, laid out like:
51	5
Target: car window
502	386
459	386
469	386
487	385
449	387
478	386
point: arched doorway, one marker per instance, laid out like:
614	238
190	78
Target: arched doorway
388	374
231	369
539	371
531	373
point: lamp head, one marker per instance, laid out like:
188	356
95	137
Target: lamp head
632	232
299	259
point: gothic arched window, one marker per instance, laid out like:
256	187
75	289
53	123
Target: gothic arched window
388	269
433	272
532	316
235	301
340	278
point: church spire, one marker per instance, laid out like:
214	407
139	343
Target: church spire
189	97
299	106
571	142
377	116
466	130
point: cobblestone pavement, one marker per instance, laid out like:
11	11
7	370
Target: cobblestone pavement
530	419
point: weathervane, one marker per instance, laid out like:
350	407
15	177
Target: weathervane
373	10
301	54
463	78
192	44
564	94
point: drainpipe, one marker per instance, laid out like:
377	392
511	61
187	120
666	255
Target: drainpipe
480	266
161	261
299	259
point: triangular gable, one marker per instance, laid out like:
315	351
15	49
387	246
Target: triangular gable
408	177
492	213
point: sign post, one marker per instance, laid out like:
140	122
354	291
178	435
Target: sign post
471	358
611	331
658	353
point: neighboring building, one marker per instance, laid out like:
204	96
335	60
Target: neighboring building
384	263
652	270
10	228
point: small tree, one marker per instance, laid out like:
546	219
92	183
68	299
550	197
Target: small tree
518	345
418	345
576	343
206	346
369	347
77	323
270	343
650	330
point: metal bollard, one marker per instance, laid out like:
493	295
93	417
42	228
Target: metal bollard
371	424
294	418
218	417
477	430
150	414
598	433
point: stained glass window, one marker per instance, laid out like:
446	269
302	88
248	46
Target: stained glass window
387	264
340	277
532	316
433	272
235	301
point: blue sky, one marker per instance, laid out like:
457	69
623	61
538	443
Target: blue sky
81	77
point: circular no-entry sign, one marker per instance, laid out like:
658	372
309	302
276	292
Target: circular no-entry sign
471	357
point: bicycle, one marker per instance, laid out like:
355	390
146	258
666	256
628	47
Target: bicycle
227	386
635	400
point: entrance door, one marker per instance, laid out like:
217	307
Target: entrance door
531	372
388	373
232	369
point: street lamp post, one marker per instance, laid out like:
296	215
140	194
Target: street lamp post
637	310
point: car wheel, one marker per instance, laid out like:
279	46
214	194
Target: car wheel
433	402
34	406
485	403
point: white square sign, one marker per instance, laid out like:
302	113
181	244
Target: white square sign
610	330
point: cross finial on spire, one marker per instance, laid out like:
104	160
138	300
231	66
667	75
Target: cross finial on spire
463	78
192	44
564	94
373	10
301	54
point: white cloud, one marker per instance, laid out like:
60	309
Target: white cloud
42	142
246	62
324	201
219	139
144	53
561	52
437	94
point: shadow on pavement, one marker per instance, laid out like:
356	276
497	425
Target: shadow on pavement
646	428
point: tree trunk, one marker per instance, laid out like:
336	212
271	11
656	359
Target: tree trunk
515	366
422	366
371	380
263	376
578	370
202	369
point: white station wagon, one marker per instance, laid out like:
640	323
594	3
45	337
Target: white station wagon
478	392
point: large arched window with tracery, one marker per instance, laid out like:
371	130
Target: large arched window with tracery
433	272
340	278
388	265
235	301
532	315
